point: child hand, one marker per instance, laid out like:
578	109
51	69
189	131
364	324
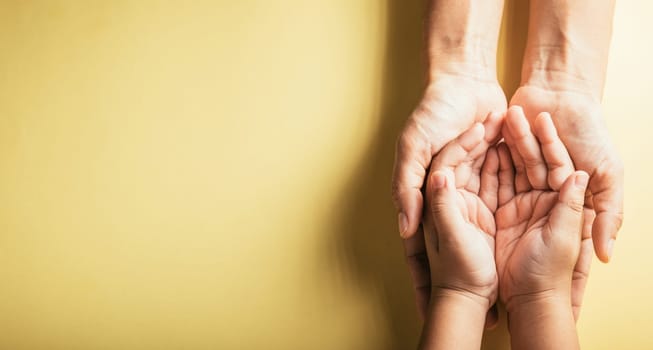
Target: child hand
540	213
459	226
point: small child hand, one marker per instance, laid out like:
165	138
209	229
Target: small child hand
459	227
459	234
540	212
505	220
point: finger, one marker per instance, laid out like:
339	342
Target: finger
580	276
458	150
606	186
490	180
528	147
582	267
521	179
468	176
506	175
412	159
567	214
447	218
492	126
555	153
418	267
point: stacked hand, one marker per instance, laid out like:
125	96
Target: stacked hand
518	207
539	219
451	104
491	229
563	73
578	118
460	228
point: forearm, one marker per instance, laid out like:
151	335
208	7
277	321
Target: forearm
455	321
542	322
568	44
462	37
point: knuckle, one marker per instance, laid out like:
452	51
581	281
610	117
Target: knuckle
532	163
576	205
397	194
438	207
580	275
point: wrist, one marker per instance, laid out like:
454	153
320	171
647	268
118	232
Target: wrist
462	38
449	65
539	303
542	320
472	301
566	49
455	321
561	69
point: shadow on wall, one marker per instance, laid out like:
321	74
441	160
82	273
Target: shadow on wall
367	240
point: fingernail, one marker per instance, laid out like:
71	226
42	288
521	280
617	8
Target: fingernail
610	246
439	180
581	180
403	224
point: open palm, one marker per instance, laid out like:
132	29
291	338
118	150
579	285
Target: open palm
523	226
580	123
459	225
451	104
534	217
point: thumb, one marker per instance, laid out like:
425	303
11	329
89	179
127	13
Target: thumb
567	214
407	180
447	217
607	200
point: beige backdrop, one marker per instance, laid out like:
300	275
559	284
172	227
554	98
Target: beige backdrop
216	174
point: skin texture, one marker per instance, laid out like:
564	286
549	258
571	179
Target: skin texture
581	126
467	178
462	89
539	224
459	232
491	231
563	74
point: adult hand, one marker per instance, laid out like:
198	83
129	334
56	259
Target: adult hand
451	104
461	50
578	118
563	73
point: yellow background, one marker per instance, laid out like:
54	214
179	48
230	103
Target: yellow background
216	174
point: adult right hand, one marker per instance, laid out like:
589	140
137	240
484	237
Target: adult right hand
461	50
451	104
